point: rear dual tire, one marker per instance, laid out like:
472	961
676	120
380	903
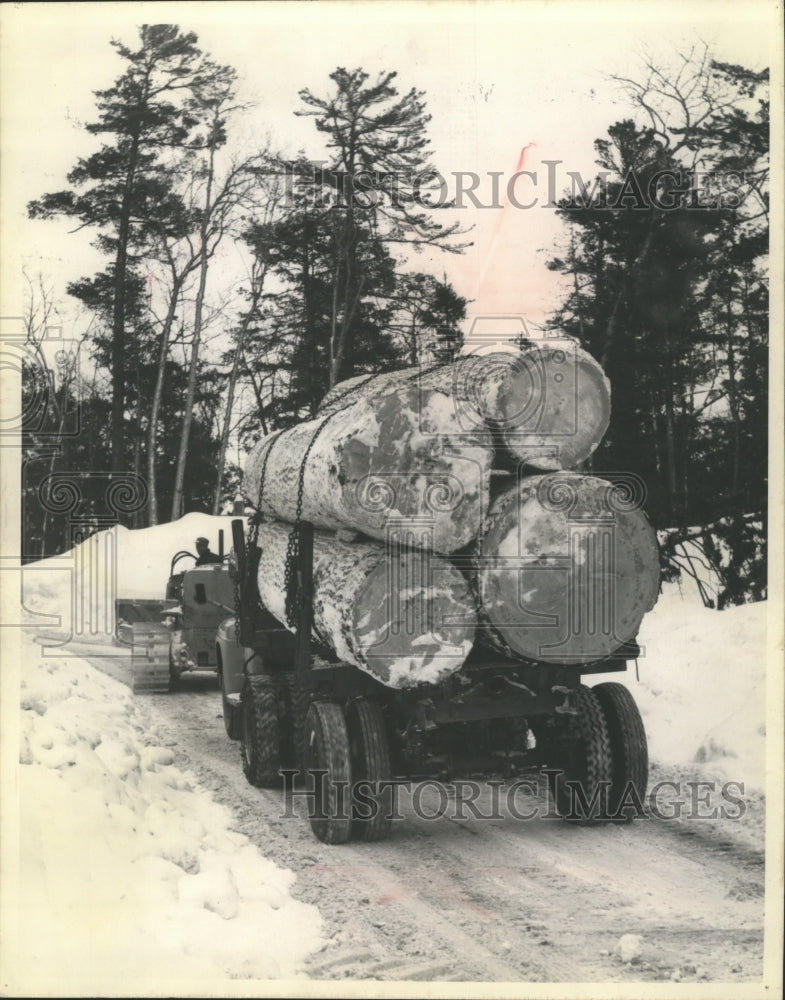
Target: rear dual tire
629	750
327	763
581	771
339	749
350	754
603	757
370	763
259	738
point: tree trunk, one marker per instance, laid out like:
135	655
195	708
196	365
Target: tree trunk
627	285
152	431
576	287
733	400
226	428
136	517
398	454
117	420
182	455
345	304
58	450
670	456
53	454
547	405
383	611
413	343
227	421
565	570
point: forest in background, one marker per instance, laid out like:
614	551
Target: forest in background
664	257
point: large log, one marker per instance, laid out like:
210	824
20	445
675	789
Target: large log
379	462
548	403
403	615
566	569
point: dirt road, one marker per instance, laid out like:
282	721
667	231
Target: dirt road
500	900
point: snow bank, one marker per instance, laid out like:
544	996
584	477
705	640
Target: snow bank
702	687
144	556
129	871
75	592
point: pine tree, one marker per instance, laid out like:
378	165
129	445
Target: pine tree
668	290
378	168
120	188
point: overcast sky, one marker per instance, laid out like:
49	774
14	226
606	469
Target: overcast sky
498	77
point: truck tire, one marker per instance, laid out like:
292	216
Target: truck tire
294	698
370	761
629	749
259	736
326	748
582	791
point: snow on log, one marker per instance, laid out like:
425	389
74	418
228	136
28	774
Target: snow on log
403	615
547	403
383	460
566	568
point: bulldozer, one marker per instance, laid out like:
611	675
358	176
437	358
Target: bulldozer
176	634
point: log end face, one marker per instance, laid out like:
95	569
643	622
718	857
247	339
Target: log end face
574	570
555	408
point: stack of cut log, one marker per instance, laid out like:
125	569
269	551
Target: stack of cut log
448	511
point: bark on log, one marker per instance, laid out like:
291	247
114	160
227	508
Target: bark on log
548	404
385	459
403	615
565	570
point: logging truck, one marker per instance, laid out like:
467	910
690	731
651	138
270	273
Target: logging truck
426	580
292	703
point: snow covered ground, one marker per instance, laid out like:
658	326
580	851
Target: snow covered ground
130	871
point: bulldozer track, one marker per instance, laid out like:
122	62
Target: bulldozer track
150	658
